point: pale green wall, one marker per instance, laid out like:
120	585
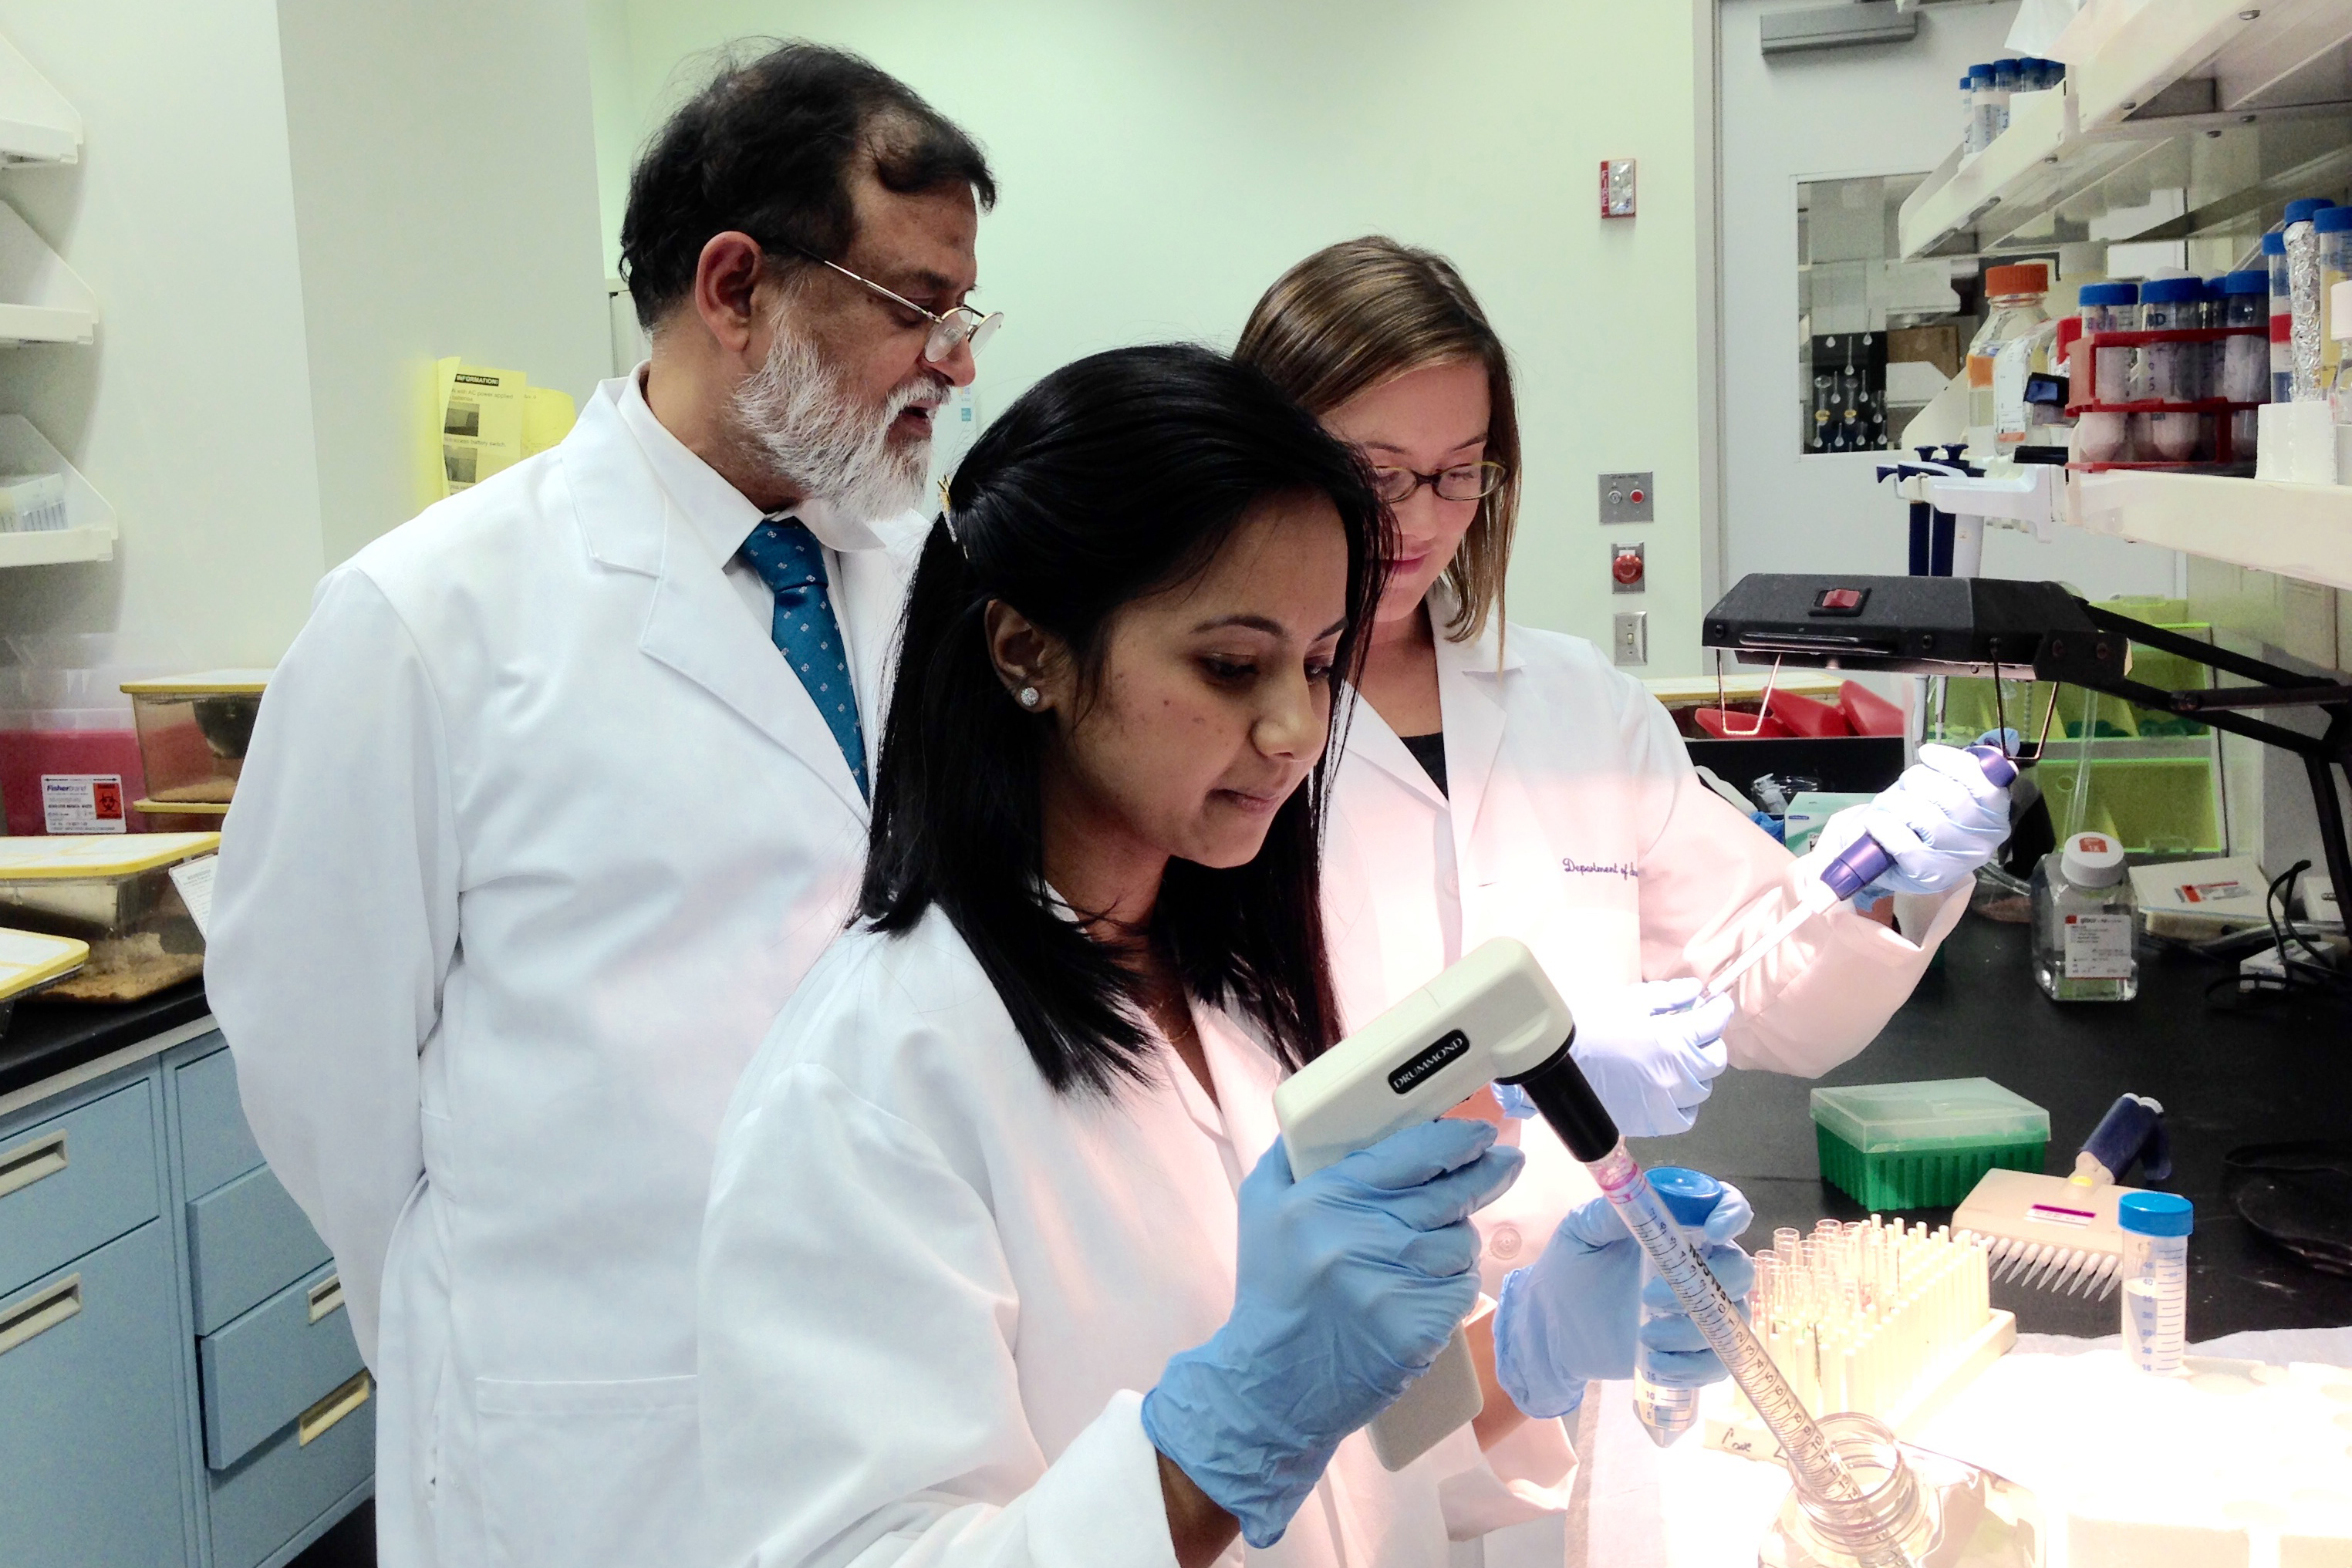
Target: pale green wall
1161	164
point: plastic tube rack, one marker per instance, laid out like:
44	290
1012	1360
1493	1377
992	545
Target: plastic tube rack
1870	1316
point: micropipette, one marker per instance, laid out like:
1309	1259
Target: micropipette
1496	1015
1861	863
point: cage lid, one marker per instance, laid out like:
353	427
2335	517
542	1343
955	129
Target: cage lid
67	856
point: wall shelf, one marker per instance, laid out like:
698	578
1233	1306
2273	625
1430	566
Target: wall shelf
89	531
2150	64
42	300
36	124
2294	531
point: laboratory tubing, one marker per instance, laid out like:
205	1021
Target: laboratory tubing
2170	372
2333	226
2303	296
2107	308
1666	1412
2156	1226
2245	359
2083	911
2281	318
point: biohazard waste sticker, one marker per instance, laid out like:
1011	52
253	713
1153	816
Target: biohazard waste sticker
83	803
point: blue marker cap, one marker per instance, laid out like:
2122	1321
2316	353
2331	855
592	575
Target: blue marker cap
2155	1214
2274	243
2250	280
1689	1195
2306	207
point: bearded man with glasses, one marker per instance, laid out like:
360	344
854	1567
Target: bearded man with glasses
563	789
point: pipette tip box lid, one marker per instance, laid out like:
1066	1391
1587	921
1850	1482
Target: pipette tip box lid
1924	1146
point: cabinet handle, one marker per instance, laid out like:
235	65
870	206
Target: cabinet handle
28	1163
346	1398
38	1314
326	1296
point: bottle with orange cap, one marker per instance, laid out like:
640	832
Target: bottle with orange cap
2013	315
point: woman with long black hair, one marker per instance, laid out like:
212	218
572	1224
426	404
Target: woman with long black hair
984	1279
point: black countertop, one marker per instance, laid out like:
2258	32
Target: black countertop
2224	1079
45	1037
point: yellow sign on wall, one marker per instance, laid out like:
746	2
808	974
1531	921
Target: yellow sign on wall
486	420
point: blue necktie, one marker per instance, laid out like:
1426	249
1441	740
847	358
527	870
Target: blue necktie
792	563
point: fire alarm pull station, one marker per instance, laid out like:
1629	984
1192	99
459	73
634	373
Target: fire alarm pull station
1617	187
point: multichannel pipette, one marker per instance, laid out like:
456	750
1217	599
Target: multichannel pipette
1861	863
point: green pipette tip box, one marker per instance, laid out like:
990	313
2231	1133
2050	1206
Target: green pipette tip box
1924	1146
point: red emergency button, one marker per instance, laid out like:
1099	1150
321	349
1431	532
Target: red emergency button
1635	498
1626	567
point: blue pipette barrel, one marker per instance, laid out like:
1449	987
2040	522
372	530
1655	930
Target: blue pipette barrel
1866	860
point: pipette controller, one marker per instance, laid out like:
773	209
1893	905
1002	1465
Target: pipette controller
1496	1015
1856	867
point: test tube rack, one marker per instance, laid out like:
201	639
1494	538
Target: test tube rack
1872	1316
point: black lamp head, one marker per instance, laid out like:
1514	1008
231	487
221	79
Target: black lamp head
1914	625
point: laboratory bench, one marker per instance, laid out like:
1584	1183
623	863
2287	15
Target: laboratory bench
178	1380
2224	1078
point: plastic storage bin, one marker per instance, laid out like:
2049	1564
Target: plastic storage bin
116	894
1924	1146
30	961
192	732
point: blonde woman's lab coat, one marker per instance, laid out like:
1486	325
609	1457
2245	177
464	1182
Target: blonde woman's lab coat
934	1294
1574	822
537	833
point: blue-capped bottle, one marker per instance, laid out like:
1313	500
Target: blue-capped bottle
1666	1412
2156	1226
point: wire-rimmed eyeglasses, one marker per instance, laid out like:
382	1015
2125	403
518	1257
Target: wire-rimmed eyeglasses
1463	482
950	331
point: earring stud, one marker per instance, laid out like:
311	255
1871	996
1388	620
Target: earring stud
1029	697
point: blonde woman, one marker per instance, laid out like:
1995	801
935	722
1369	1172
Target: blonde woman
1502	779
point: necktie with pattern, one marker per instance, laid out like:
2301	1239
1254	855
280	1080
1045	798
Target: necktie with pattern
792	563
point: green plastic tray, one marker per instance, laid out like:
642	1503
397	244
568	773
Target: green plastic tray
1917	1178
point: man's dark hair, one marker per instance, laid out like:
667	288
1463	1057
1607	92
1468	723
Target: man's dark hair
1115	478
769	148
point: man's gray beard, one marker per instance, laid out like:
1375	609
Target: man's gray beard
800	415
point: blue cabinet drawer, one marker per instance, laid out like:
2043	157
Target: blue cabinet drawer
246	1242
275	1492
76	1182
269	1365
215	1145
90	1455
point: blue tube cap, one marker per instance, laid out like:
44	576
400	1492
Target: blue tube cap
2304	208
2274	243
1689	1195
2177	290
2155	1214
2249	280
2332	220
2128	293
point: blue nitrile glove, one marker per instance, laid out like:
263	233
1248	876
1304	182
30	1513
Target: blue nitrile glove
1347	1286
1650	1054
1572	1316
1939	822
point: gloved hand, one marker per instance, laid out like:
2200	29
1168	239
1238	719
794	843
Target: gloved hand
1648	1053
1575	1314
1347	1286
1939	822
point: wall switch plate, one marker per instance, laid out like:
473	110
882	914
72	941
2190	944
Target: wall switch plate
1628	639
1627	497
1617	187
1628	570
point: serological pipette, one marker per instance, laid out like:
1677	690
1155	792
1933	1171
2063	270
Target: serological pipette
1856	867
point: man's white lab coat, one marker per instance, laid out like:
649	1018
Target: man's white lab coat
934	1292
537	833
